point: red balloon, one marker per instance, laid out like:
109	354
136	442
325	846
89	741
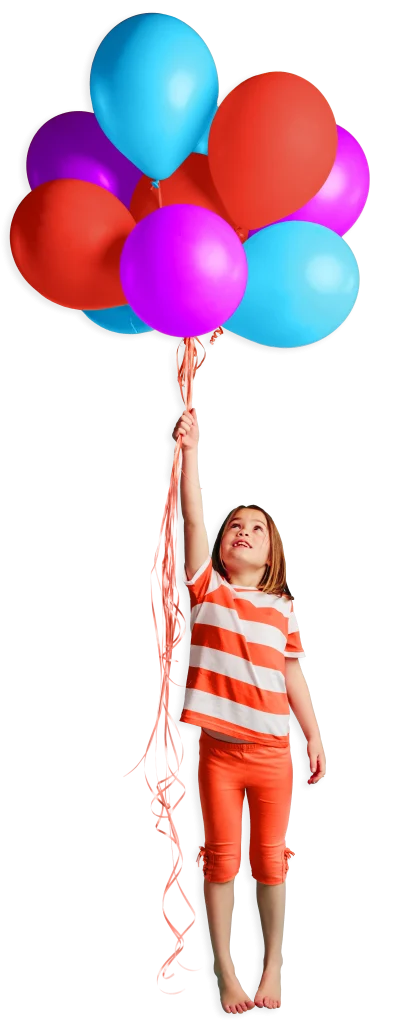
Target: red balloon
66	239
272	144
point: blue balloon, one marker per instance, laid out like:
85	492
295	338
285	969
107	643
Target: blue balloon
303	281
202	145
154	87
120	319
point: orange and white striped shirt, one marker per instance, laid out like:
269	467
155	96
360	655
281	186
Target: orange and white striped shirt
240	638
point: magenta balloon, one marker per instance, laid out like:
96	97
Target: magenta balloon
72	145
183	270
341	199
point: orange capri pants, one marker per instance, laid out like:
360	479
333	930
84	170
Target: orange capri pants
226	772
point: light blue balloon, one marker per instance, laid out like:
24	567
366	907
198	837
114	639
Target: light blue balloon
302	284
154	87
202	145
120	319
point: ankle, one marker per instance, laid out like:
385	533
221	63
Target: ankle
225	970
273	960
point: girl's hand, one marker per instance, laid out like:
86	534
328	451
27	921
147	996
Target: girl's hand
187	426
316	754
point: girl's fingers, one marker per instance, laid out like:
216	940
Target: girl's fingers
184	424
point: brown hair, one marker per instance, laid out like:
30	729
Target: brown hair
274	578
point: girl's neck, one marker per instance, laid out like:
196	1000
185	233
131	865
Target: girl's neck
249	580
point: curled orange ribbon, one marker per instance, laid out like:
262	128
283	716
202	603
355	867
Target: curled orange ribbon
173	629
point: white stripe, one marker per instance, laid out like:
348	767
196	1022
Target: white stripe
256	597
292	627
236	714
236	668
211	614
197	574
260	599
294	654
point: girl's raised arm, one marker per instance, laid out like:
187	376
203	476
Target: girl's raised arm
195	536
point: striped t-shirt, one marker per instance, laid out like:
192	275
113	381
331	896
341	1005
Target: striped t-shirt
240	637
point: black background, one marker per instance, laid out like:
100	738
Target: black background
309	430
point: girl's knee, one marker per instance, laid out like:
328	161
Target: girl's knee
271	864
219	866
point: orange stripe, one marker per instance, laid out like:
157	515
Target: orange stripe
241	693
294	643
248	611
268	739
219	639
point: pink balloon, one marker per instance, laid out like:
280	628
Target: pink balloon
183	270
341	199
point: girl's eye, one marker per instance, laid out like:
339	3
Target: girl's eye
257	527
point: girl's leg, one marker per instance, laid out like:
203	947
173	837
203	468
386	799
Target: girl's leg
269	794
271	901
271	904
219	899
221	796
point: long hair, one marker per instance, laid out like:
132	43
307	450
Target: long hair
274	577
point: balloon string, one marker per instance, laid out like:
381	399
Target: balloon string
171	636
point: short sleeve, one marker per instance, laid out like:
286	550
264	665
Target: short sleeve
294	647
200	582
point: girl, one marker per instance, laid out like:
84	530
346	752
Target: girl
244	675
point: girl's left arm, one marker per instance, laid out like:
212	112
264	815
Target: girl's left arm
300	703
300	699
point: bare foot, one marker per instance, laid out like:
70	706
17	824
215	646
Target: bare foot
233	997
269	990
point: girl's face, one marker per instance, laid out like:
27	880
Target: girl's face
245	545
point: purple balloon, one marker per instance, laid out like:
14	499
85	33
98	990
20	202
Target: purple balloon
72	145
341	199
183	270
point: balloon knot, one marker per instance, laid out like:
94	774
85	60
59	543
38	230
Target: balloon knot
156	183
